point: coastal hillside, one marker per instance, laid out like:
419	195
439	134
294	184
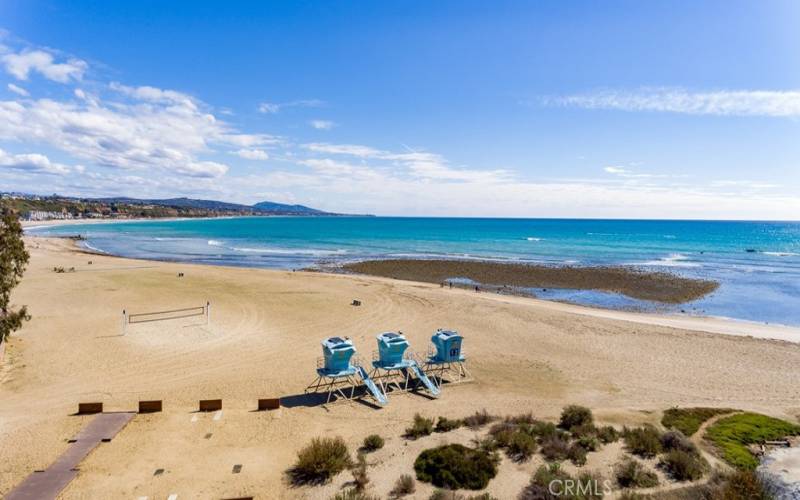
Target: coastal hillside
35	207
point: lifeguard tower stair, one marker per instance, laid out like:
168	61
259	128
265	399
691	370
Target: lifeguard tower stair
428	383
371	386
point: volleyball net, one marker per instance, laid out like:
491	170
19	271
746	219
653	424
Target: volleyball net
167	315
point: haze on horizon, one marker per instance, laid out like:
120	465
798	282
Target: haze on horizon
510	108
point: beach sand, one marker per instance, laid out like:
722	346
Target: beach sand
525	355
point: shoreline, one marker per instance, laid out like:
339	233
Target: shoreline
702	324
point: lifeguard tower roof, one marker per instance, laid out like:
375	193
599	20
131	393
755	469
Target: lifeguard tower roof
391	348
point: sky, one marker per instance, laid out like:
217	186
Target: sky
620	109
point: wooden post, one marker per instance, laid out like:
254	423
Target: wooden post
89	408
208	313
124	322
210	404
269	404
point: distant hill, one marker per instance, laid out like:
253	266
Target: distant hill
271	206
38	207
267	207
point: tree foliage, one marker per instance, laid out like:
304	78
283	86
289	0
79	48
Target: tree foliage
13	259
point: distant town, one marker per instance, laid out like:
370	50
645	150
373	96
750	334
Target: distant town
34	207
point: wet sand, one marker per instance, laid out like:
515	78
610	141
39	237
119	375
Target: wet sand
653	286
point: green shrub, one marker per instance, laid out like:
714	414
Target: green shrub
577	454
445	495
372	442
353	494
320	460
405	485
731	435
744	485
675	440
683	465
575	416
555	448
455	466
688	420
583	430
421	427
545	429
479	419
588	443
522	419
644	441
359	471
447	424
631	474
501	432
607	434
585	487
521	446
539	486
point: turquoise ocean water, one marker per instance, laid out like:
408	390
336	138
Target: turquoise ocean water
757	263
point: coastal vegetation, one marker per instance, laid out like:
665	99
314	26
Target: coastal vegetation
322	459
372	442
630	473
497	276
455	466
689	420
732	435
421	426
405	485
13	260
643	441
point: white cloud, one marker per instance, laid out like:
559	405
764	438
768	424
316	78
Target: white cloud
418	164
322	124
343	149
20	65
253	154
18	90
776	103
616	170
274	107
149	128
155	95
31	162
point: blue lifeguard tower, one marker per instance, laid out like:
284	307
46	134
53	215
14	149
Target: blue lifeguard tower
390	365
337	371
445	357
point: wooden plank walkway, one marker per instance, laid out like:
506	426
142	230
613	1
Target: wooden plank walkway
49	483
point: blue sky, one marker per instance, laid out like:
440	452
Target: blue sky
525	109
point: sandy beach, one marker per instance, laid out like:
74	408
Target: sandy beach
525	355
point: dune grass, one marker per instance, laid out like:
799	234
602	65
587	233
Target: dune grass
732	434
689	420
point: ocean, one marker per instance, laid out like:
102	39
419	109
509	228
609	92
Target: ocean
756	263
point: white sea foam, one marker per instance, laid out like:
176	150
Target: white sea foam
94	249
290	251
781	254
672	260
531	238
215	243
